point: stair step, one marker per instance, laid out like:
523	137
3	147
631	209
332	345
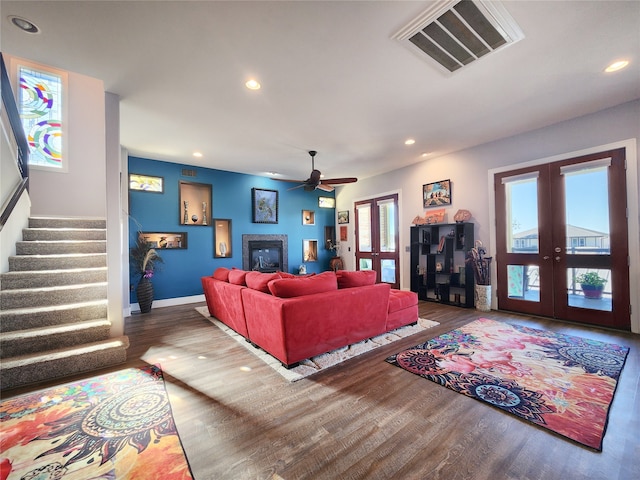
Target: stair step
59	295
69	222
53	262
57	247
50	315
42	339
35	234
34	368
51	278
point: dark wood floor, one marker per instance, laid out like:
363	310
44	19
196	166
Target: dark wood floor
364	419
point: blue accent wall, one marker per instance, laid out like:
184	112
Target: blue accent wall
179	274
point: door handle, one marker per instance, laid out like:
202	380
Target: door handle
546	257
558	258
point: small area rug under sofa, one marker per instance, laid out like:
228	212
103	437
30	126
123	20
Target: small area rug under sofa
294	318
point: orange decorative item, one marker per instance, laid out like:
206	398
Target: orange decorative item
462	216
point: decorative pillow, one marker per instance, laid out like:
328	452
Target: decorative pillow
237	276
361	278
286	275
258	280
297	287
222	274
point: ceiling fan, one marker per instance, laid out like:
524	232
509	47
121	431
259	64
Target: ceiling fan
315	182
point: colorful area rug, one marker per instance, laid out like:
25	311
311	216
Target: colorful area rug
560	382
115	426
326	360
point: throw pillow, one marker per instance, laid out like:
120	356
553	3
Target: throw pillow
361	278
296	287
221	274
237	276
258	280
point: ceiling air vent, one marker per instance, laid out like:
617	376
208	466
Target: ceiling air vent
189	173
457	33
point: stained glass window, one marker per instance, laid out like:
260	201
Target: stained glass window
41	104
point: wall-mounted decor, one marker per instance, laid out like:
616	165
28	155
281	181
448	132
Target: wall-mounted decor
326	202
343	233
309	250
265	205
343	216
308	217
222	238
166	240
146	183
436	194
195	203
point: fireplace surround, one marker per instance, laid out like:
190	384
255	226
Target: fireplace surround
265	253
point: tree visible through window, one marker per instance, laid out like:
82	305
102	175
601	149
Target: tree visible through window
40	101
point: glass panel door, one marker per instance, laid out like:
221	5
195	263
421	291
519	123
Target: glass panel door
562	244
377	238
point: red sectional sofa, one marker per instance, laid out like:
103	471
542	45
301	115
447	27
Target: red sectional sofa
294	318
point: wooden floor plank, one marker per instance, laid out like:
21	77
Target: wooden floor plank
363	419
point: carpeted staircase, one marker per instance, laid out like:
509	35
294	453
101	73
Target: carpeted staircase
53	303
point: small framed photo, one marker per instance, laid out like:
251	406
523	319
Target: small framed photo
146	183
326	202
264	205
436	194
343	216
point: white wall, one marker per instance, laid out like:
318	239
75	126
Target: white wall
81	192
468	171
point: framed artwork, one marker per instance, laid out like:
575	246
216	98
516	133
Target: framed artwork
195	203
264	205
343	233
326	202
146	183
436	194
222	238
166	240
343	216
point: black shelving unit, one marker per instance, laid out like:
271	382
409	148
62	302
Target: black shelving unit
438	270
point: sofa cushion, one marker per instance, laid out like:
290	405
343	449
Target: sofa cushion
221	274
361	278
237	276
297	287
258	280
401	299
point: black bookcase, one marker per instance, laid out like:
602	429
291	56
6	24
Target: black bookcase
438	270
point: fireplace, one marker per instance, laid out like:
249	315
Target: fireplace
265	253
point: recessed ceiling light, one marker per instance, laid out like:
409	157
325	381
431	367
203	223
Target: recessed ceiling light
425	154
409	141
615	66
24	24
197	154
253	84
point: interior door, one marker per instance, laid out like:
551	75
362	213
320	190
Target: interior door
377	238
555	222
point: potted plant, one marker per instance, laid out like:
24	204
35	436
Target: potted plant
144	258
592	284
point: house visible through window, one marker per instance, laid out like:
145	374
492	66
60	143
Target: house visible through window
41	100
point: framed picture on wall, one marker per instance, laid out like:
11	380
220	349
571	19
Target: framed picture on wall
343	216
436	194
146	183
264	205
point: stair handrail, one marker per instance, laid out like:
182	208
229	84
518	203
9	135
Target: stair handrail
17	130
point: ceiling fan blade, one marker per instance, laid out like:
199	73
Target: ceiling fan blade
338	181
325	188
297	186
290	181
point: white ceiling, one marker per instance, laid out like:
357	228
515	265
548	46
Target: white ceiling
333	78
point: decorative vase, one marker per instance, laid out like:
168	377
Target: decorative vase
336	264
144	292
223	249
483	298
